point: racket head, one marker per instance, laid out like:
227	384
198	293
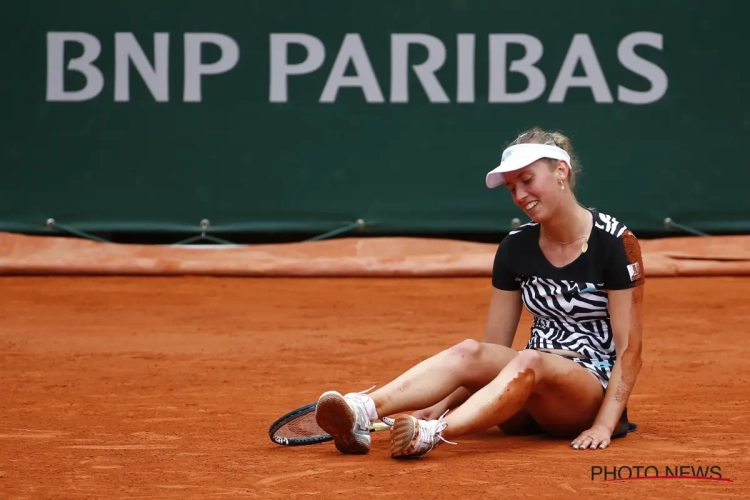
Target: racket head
299	427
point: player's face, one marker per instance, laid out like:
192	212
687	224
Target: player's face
535	190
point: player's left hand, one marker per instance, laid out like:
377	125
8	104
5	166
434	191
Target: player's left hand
598	437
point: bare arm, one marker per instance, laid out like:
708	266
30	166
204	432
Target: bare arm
502	317
626	313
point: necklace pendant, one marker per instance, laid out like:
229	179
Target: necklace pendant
585	246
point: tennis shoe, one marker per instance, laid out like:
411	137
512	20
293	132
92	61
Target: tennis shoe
414	438
346	419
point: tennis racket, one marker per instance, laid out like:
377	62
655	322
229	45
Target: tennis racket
299	428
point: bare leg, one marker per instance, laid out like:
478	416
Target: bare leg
520	424
560	395
494	404
469	364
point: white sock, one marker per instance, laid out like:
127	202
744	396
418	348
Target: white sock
371	411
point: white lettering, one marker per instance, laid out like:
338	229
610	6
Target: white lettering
425	71
195	68
581	50
280	67
526	66
83	64
354	58
465	86
155	77
352	49
650	71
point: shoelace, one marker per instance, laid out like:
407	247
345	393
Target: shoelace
428	431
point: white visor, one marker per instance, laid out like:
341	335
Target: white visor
523	155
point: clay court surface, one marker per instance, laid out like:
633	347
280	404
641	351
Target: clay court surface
165	387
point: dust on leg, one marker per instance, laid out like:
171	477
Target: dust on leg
561	396
499	400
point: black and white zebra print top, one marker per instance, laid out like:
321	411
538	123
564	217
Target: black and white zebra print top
570	304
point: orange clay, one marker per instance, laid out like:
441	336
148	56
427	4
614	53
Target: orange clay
165	388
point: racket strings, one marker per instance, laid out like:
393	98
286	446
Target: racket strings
302	426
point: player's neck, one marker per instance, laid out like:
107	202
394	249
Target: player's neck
569	222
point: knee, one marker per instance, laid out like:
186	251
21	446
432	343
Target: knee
465	359
528	359
465	352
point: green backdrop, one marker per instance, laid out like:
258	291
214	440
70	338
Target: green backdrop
213	135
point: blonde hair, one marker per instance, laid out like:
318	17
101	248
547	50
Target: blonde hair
537	135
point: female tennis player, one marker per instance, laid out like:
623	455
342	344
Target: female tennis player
580	274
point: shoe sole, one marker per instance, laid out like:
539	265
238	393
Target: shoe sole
334	416
402	434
